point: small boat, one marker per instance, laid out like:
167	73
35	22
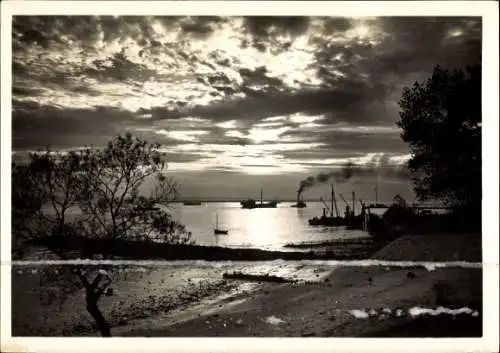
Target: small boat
216	229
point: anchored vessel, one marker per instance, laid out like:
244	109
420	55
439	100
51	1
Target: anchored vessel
250	203
325	220
300	203
350	219
192	203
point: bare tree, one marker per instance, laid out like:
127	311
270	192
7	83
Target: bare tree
94	193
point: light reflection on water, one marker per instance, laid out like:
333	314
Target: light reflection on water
267	228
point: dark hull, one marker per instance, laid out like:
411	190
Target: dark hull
219	231
327	221
355	222
249	205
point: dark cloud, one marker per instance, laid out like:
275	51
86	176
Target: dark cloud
35	125
119	68
25	91
87	30
333	25
48	30
344	102
418	44
201	27
260	79
343	143
266	26
320	153
264	31
183	157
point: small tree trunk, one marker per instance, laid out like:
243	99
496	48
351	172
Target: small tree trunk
101	322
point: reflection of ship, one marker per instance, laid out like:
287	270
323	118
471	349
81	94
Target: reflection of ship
216	229
192	203
300	203
250	203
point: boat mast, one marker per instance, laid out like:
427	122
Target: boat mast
353	203
334	203
376	188
331	208
260	195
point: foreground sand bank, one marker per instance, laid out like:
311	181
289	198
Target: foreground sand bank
198	302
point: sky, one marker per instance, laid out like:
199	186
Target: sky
238	103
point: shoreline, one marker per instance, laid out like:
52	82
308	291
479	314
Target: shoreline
135	250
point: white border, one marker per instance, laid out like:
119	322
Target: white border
487	9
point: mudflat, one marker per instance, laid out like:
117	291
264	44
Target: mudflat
338	301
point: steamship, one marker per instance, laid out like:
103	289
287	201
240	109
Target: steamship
251	203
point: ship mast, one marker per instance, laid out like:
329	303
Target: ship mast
353	203
331	208
334	203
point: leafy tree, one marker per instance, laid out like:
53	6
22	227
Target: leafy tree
94	193
441	122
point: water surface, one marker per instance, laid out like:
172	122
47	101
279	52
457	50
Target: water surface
265	228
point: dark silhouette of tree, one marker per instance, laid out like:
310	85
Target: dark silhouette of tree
94	193
441	122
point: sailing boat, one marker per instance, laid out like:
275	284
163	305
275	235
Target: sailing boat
217	230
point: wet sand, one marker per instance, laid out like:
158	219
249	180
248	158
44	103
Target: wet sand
327	309
162	302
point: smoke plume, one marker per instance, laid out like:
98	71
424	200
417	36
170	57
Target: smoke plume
380	165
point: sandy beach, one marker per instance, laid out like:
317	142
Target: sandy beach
335	301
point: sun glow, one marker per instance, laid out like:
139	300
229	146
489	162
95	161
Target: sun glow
260	135
361	31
